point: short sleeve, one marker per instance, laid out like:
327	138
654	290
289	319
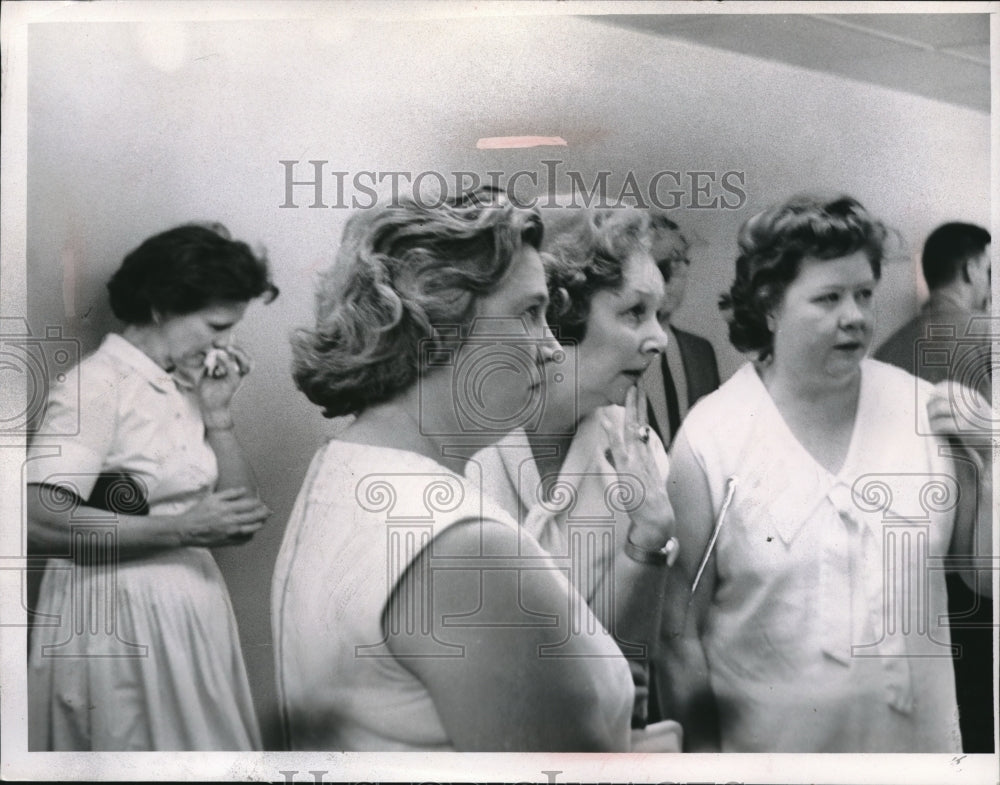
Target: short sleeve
77	431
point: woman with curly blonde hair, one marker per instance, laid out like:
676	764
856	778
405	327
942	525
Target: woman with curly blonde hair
409	612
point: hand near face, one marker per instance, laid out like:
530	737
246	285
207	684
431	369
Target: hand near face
221	378
634	454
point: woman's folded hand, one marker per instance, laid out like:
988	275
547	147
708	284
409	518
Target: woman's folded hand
227	517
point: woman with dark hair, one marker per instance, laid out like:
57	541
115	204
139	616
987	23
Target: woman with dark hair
152	451
809	612
588	479
409	612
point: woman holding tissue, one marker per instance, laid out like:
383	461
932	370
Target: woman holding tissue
138	647
818	503
588	479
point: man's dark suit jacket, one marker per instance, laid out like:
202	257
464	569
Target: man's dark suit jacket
943	342
700	369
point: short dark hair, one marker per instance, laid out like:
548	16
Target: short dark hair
660	223
773	244
948	248
185	269
585	251
403	272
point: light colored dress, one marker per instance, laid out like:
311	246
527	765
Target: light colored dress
828	629
585	519
142	654
583	523
363	516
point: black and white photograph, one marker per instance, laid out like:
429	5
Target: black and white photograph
503	391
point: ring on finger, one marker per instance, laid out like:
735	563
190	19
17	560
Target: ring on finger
642	433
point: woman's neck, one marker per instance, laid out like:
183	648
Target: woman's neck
396	423
549	449
821	417
550	443
808	390
146	338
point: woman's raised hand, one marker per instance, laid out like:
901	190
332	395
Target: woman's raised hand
227	517
635	459
219	383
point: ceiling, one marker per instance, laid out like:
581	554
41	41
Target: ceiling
941	56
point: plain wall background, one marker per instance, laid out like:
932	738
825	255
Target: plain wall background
135	128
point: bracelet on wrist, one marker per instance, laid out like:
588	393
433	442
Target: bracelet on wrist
645	555
665	555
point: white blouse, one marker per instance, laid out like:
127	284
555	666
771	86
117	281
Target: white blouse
119	411
828	628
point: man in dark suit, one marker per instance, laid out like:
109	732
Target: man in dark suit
953	325
951	339
688	369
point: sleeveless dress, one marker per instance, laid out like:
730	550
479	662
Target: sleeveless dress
138	654
583	524
363	516
828	628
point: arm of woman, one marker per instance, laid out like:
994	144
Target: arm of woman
234	469
222	518
504	692
972	538
215	393
684	689
639	590
640	564
59	479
